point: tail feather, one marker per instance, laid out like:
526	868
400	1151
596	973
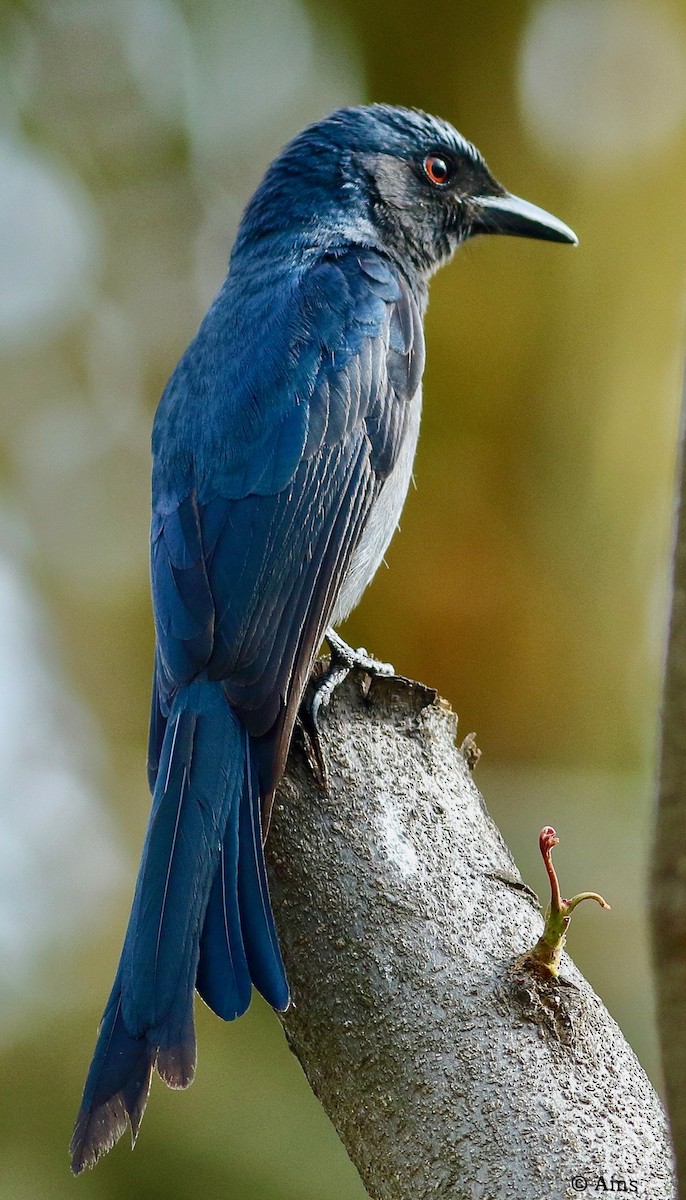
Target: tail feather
176	1053
257	922
148	1021
223	978
200	779
116	1089
239	945
200	917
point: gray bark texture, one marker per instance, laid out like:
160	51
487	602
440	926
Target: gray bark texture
668	893
445	1066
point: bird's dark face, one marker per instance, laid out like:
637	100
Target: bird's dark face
395	178
429	190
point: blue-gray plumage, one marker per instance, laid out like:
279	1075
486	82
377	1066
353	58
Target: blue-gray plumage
282	453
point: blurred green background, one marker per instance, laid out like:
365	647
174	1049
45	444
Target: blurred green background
528	583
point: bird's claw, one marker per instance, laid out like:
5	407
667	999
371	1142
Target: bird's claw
343	656
343	660
325	689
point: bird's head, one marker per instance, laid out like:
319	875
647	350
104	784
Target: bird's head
397	178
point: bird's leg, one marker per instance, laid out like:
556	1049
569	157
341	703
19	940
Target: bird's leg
343	660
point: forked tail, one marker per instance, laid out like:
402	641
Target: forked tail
200	917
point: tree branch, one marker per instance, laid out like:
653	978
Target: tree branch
668	892
447	1069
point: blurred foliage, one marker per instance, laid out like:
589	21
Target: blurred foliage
528	583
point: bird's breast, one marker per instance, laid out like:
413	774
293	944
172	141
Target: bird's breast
382	521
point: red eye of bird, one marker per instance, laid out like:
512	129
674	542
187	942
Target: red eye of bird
436	169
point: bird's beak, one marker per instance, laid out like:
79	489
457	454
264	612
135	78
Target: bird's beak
510	214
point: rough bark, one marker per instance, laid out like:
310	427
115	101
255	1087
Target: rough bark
668	893
445	1067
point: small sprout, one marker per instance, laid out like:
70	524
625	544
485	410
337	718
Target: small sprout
547	952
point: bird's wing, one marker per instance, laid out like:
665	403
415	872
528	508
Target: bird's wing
246	566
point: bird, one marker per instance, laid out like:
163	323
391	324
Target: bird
282	451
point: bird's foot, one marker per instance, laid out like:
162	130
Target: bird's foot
343	660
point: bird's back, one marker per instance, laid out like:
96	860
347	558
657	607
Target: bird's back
283	449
